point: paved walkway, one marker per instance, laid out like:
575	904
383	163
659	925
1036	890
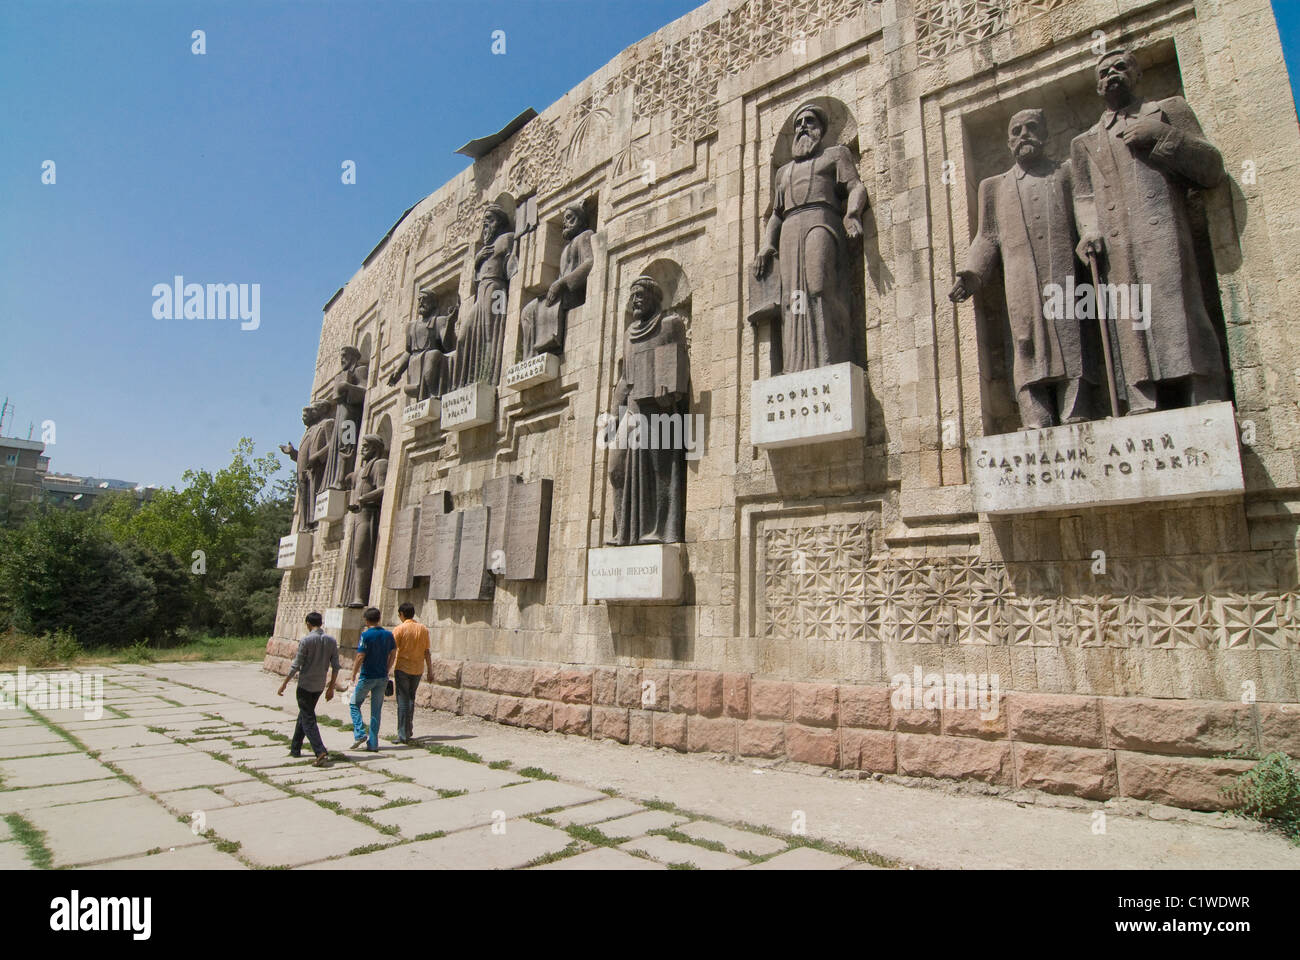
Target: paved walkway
188	769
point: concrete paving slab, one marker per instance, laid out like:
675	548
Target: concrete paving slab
205	857
478	849
804	858
254	791
108	829
15	750
477	809
736	841
448	773
185	802
352	798
673	851
161	774
362	779
640	823
291	832
593	813
35	798
112	738
172	749
28	734
13	856
41	771
603	858
6	832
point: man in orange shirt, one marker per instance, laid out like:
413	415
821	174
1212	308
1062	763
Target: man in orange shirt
412	652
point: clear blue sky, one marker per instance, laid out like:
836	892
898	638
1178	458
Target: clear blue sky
225	168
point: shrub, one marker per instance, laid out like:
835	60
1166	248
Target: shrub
1270	793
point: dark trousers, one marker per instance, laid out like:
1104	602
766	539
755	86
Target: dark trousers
307	726
405	684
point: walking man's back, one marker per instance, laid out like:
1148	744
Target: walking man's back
374	661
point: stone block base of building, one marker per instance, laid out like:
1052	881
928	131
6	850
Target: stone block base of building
1176	752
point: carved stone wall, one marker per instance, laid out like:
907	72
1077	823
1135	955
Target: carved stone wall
851	561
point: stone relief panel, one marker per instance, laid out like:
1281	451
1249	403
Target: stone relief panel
822	584
943	26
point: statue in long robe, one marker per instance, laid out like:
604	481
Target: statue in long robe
309	457
482	337
817	207
367	486
349	394
647	466
1133	171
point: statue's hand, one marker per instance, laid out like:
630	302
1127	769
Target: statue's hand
392	380
287	449
1144	133
554	293
1090	245
763	262
962	289
852	226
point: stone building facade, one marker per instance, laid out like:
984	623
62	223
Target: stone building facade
1142	649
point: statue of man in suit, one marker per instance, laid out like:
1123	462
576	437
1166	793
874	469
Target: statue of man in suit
1133	170
1026	219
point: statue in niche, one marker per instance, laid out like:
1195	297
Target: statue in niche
430	339
310	456
1132	173
1026	219
478	351
817	207
542	324
367	485
349	392
648	475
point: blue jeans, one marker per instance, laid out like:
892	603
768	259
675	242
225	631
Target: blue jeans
376	690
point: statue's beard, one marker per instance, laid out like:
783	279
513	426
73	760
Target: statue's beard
573	231
1029	149
805	146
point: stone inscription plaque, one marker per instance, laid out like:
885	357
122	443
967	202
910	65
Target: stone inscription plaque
470	406
539	369
431	507
1168	455
649	573
331	504
425	411
401	551
446	555
473	579
811	406
496	497
528	535
295	551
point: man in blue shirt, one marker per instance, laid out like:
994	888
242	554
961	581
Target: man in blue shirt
375	655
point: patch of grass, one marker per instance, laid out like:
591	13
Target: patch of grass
32	839
499	765
225	846
714	845
544	821
459	753
272	735
447	794
46	650
368	848
1269	793
593	836
370	793
572	848
610	791
158	730
435	835
401	802
682	866
537	773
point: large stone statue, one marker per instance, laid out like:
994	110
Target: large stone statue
478	352
430	339
310	456
816	208
1026	219
1132	173
367	485
542	325
349	392
648	474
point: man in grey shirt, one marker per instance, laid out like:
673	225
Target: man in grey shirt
316	652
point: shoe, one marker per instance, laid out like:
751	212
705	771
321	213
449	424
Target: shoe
399	740
358	743
296	756
372	749
321	761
